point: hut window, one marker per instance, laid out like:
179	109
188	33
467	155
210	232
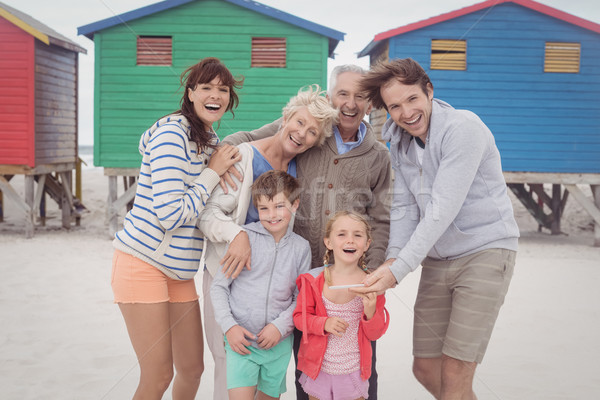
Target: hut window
562	57
154	50
449	54
268	52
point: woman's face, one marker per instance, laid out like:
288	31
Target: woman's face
210	100
300	131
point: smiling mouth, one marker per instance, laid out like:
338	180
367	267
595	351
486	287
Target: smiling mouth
348	114
295	141
414	121
350	251
212	107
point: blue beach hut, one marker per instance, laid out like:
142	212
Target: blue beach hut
532	73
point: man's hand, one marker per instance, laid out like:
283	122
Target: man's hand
227	179
379	280
336	326
237	256
236	337
268	337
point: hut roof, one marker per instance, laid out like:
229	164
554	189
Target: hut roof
333	35
542	8
37	29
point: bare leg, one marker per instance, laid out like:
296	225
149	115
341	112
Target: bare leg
188	348
262	396
428	372
242	393
457	379
149	330
446	378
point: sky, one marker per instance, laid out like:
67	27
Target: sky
360	24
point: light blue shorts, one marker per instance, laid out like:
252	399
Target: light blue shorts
265	369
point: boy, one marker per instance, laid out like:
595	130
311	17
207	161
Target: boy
255	310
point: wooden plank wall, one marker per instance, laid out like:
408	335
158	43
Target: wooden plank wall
130	98
542	122
16	95
55	104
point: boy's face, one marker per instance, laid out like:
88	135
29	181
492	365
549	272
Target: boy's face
275	214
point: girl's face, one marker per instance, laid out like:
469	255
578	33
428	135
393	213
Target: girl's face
210	100
348	240
299	132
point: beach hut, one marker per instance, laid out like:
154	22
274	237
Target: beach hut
139	56
38	114
532	73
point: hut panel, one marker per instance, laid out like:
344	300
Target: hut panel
56	105
530	112
129	98
16	95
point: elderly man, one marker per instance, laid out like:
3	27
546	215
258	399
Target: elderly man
450	213
350	171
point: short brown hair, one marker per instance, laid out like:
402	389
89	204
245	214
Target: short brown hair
273	182
405	70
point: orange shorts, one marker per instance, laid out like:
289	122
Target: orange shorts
136	281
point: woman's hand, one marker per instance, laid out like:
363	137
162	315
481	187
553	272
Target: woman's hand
227	179
237	256
224	157
336	326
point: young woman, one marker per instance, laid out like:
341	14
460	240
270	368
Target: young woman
337	325
158	251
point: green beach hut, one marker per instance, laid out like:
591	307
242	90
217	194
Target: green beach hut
139	56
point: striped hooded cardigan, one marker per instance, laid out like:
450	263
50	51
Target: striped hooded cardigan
173	187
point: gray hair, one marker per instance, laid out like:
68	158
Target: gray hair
313	98
340	69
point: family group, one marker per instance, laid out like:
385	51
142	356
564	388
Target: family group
301	226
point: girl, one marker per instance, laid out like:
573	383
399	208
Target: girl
158	251
337	325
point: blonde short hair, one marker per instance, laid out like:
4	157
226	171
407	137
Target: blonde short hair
313	98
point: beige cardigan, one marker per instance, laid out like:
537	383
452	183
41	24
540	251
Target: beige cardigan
224	214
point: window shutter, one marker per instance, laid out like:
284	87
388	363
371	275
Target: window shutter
562	57
154	50
449	54
268	52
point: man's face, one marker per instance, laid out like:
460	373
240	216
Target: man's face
408	106
353	105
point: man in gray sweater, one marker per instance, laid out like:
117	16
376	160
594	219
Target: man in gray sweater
450	213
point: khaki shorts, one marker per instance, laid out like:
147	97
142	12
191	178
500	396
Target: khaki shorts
136	281
458	302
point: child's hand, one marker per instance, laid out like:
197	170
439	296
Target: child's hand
236	336
224	157
336	326
268	337
369	302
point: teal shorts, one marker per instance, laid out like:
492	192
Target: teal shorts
265	369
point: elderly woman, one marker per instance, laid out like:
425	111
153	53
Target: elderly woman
307	121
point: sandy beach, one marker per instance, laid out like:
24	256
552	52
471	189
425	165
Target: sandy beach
61	336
